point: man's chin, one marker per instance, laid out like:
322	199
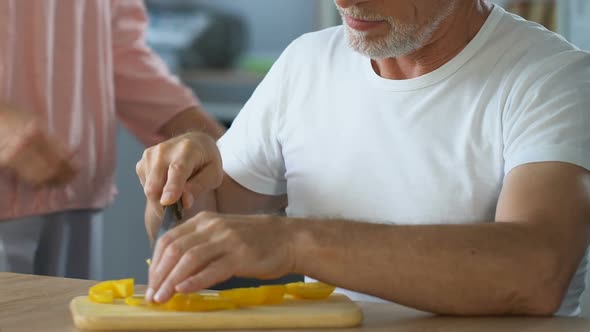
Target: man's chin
368	46
378	46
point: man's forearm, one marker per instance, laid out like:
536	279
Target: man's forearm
192	119
232	198
494	268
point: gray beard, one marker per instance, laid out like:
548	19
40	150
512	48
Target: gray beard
401	39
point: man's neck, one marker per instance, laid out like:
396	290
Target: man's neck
448	40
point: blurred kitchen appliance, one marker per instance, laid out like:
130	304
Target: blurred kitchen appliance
189	36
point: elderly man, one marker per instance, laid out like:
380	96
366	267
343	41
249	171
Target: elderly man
431	153
68	69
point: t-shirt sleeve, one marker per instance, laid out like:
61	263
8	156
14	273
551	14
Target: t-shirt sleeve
251	149
548	117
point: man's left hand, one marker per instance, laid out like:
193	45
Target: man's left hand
210	248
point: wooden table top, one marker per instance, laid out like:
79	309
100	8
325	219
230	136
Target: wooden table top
35	303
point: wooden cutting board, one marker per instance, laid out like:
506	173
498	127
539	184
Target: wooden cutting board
336	311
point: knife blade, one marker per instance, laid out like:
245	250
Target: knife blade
172	217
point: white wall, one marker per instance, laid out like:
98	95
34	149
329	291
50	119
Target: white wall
577	16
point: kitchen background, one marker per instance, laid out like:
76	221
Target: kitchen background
222	48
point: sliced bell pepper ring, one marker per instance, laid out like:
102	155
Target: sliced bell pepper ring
101	296
135	300
124	288
310	291
198	302
244	296
210	303
178	302
107	291
255	295
274	294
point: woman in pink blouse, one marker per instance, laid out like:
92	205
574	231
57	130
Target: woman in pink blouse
68	70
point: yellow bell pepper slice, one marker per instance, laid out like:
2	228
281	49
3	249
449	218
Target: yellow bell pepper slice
101	296
244	296
198	302
310	291
255	295
103	292
124	287
107	291
210	303
135	300
274	294
178	302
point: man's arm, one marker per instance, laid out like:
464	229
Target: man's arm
233	198
521	264
230	197
192	119
188	167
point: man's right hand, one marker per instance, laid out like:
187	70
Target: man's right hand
30	152
183	167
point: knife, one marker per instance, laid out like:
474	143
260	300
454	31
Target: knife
172	217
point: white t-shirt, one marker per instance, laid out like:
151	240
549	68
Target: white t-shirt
343	142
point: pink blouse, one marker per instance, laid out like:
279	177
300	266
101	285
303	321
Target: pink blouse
80	65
